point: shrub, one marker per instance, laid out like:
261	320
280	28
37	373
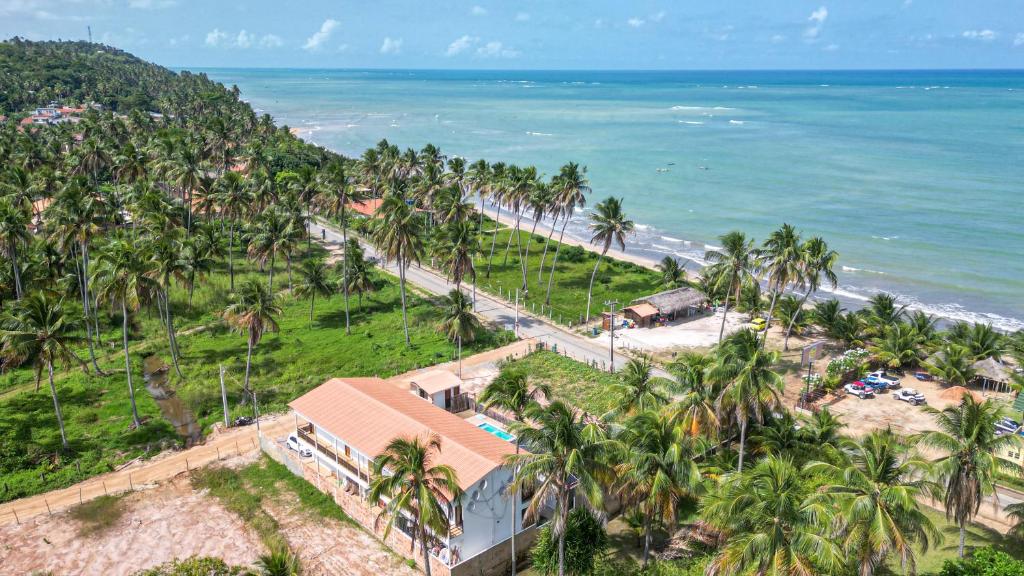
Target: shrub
98	515
572	254
585	541
984	562
194	566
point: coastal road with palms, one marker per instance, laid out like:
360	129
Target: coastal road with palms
494	309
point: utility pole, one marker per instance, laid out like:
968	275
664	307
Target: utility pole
224	397
611	304
517	313
89	28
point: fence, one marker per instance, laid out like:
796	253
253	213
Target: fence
123	481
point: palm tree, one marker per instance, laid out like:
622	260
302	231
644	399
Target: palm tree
399	235
458	322
883	311
952	364
405	474
638	390
124	276
695	407
672	274
197	260
751	387
658	470
14	233
816	263
571	192
565	459
41	329
496	192
253	311
279	562
967	434
333	200
876	491
235	201
770	526
780	259
900	346
736	262
314	280
360	278
457	247
166	248
270	235
609	224
512	391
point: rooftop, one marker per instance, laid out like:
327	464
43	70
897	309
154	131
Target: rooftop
367	413
676	300
434	381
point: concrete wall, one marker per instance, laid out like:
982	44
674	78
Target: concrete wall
495	561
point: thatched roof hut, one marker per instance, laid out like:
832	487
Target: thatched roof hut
992	370
675	301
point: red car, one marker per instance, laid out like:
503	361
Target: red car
860	389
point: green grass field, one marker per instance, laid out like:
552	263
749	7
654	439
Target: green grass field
616	280
572	382
285	364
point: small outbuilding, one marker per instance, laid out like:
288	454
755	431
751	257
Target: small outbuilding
669	305
993	374
439	387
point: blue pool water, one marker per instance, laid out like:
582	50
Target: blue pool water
496	432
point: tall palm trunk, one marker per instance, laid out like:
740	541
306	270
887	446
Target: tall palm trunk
270	278
561	536
248	365
516	504
56	408
743	442
169	322
128	364
312	302
514	235
84	288
590	291
401	289
494	240
526	259
17	270
544	255
963	537
480	224
423	543
647	541
725	311
554	261
771	313
344	263
231	258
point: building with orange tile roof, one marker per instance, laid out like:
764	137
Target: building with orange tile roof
347	422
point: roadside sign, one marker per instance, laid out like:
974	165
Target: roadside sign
811	353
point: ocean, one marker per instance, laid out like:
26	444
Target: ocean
915	177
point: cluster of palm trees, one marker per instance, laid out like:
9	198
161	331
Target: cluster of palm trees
805	499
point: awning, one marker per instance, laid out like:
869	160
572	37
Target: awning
643	310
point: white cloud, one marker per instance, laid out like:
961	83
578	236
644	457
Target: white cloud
1018	40
215	37
522	16
271	41
478	10
391	45
778	39
831	48
495	49
599	23
322	35
635	22
150	4
244	39
178	40
722	33
817	19
461	44
985	35
658	17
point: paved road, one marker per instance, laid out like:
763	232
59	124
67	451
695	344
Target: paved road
497	310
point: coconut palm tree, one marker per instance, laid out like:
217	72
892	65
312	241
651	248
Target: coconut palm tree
658	470
360	278
14	235
399	236
751	388
235	200
736	261
412	485
694	408
42	330
270	235
457	246
333	199
952	364
314	280
458	323
570	191
609	224
883	311
900	346
816	263
252	310
672	274
770	525
198	258
876	489
780	259
566	458
165	250
496	191
124	277
638	391
967	435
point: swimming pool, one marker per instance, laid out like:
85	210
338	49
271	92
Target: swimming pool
496	431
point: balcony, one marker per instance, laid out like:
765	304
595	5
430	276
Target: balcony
307	435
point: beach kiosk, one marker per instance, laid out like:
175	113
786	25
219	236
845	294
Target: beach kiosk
668	305
993	375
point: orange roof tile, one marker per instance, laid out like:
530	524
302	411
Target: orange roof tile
368	413
642	309
366	207
435	381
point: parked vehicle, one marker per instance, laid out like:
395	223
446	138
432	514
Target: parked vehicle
1007	426
910	395
860	390
243	421
758	324
293	444
923	376
879	379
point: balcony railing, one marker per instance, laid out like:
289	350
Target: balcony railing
304	432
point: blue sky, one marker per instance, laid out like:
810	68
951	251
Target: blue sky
541	34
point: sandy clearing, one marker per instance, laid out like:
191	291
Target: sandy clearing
683	334
159	525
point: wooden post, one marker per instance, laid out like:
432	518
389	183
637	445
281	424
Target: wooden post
79	494
48	511
16	520
187	469
104	482
131	485
218	452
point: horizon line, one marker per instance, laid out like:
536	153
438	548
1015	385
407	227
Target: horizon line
428	69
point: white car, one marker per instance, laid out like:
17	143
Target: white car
293	444
860	390
910	395
889	380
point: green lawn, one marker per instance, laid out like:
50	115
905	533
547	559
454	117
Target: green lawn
616	280
977	536
572	382
285	365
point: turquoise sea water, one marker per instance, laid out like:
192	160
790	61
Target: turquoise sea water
916	178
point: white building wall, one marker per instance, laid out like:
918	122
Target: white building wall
487	520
